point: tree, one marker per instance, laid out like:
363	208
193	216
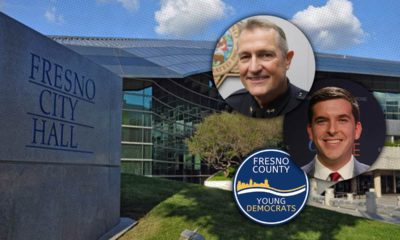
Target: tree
223	139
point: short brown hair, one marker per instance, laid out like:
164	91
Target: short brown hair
328	93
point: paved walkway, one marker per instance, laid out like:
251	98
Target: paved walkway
389	200
385	200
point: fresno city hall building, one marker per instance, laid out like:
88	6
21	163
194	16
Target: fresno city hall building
168	88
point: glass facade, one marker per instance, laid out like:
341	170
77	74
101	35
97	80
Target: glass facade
136	150
158	115
390	103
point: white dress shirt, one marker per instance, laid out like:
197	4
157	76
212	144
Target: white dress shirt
322	172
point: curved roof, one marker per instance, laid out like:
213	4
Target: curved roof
144	57
348	64
152	58
387	160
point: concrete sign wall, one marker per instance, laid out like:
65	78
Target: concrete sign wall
60	124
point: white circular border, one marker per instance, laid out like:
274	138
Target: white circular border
303	67
254	219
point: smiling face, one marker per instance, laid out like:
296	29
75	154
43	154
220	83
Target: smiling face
333	131
262	65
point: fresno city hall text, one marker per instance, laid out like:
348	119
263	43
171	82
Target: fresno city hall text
62	92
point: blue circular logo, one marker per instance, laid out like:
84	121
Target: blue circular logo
269	188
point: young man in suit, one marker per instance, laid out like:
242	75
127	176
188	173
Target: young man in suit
333	125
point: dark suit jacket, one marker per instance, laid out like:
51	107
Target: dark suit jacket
359	168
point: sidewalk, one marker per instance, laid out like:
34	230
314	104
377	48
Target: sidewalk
386	200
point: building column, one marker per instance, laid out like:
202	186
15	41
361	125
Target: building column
377	183
354	185
394	182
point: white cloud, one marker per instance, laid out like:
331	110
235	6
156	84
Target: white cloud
185	17
332	26
130	5
52	16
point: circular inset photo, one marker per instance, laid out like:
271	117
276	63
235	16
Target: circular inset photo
262	191
337	133
263	66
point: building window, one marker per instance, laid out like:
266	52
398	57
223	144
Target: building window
390	104
157	118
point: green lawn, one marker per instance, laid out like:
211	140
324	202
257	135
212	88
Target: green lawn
165	208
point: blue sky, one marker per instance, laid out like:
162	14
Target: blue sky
351	27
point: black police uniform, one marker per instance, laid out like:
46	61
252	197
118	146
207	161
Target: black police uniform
242	101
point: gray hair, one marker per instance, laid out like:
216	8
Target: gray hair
261	22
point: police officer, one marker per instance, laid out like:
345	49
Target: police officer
264	59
